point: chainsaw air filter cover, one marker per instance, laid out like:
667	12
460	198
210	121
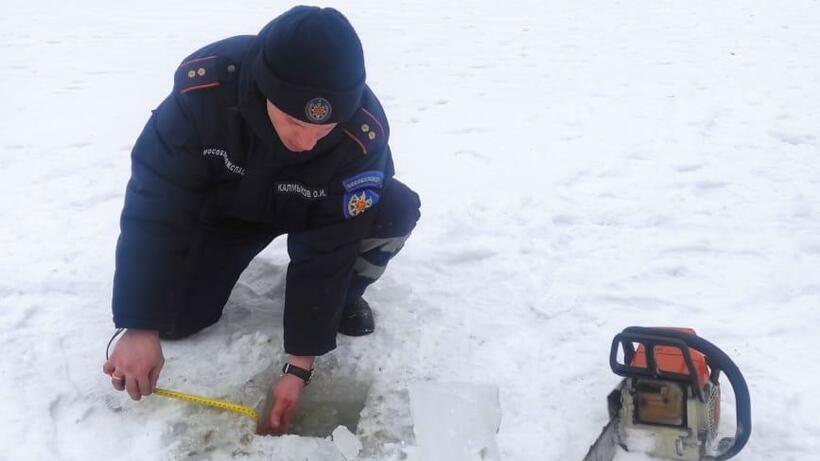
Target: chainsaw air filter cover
659	402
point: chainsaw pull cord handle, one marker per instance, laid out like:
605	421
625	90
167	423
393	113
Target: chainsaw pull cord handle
717	360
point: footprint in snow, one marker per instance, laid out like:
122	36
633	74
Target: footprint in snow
469	153
795	139
563	220
710	185
688	168
470	255
466	130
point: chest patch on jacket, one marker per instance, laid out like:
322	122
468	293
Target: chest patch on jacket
300	190
232	167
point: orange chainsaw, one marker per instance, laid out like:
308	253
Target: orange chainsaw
668	404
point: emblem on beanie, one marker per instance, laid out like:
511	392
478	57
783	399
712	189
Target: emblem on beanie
318	110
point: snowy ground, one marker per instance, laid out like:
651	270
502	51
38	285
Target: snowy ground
583	166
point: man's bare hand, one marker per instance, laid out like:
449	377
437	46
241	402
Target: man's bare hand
135	363
286	395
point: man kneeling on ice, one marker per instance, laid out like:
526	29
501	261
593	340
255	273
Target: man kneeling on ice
263	135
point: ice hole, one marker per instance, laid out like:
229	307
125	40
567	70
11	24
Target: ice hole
328	402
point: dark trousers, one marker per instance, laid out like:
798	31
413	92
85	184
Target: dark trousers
221	252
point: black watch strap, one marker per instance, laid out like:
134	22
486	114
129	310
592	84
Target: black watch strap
299	372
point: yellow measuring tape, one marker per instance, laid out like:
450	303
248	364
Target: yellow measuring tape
216	403
199	400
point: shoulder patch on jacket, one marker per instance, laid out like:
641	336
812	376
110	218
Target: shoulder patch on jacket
200	73
356	203
366	130
373	178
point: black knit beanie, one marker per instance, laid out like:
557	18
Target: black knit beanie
311	65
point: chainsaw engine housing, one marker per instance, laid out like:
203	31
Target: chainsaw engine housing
666	419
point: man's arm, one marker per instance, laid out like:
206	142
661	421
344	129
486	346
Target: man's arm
319	275
322	257
162	202
321	266
286	394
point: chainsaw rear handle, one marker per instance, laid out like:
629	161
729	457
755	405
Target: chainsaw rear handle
652	369
716	359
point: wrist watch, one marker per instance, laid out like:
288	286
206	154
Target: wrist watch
299	372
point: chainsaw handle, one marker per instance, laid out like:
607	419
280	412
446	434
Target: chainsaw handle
717	360
652	370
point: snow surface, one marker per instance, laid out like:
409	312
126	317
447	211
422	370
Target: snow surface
583	166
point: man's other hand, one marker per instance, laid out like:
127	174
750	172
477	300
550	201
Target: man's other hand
135	363
286	395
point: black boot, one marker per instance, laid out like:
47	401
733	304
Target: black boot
357	319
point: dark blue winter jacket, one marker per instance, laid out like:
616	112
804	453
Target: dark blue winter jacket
209	152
